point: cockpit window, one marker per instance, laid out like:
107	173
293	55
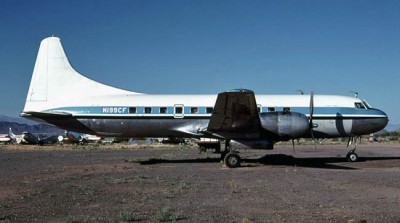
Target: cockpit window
360	105
366	104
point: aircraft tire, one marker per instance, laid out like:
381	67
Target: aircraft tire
232	160
352	157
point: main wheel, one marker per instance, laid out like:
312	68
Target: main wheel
232	160
352	157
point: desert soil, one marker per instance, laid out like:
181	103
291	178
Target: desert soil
176	183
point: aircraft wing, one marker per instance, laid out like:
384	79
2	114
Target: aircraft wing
235	116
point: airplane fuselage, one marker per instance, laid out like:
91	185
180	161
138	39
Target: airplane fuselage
142	115
61	96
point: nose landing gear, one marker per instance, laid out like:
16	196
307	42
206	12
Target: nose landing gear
352	155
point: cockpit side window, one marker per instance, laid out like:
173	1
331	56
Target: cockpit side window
359	105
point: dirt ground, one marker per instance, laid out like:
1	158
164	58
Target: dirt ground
176	183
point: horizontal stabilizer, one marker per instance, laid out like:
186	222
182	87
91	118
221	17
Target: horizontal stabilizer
46	114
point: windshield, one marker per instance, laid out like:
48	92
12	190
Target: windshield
362	105
366	104
359	105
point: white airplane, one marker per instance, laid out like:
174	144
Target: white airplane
74	138
15	138
5	138
29	138
61	96
91	138
71	138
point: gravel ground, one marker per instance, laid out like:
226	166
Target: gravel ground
174	183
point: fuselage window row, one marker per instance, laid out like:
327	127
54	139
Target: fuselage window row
199	110
196	110
171	110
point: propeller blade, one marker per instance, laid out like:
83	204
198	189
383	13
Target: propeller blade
311	125
311	105
311	113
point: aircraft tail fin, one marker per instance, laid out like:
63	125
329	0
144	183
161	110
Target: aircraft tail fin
55	82
11	135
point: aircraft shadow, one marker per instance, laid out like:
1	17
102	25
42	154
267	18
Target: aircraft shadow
159	161
312	162
279	160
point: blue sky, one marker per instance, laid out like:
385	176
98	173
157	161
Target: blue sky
206	47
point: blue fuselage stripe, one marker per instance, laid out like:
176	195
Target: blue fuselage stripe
201	111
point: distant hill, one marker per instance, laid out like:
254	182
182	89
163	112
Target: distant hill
19	125
19	120
19	128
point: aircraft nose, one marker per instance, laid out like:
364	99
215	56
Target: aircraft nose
375	122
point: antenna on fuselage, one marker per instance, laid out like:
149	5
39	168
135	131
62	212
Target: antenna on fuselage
355	93
301	92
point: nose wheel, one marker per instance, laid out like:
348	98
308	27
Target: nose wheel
352	156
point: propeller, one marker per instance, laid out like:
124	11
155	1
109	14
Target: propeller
311	125
311	111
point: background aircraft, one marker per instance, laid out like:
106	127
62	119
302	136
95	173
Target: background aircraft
60	96
29	138
91	138
5	138
76	138
15	138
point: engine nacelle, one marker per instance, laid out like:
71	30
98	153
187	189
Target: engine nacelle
286	125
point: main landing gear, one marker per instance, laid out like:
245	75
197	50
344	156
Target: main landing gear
232	160
230	157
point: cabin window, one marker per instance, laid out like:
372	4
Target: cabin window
271	109
132	110
163	110
178	110
194	110
147	110
359	105
209	110
286	109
